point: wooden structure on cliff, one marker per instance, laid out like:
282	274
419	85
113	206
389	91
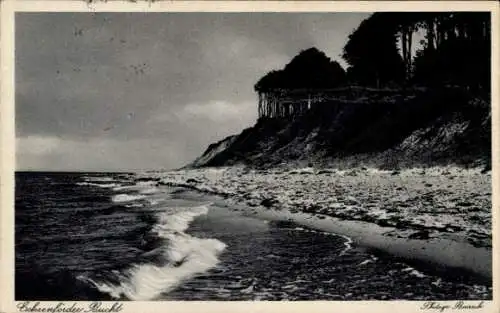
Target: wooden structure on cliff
299	86
288	102
284	103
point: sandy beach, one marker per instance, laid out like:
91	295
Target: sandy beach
440	216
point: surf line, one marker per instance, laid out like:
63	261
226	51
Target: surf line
347	244
61	307
187	256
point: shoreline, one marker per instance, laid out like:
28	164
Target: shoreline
444	256
289	197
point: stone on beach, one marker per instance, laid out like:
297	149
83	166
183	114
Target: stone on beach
413	199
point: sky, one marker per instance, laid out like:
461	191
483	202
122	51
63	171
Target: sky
140	91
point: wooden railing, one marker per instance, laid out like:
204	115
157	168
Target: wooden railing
281	102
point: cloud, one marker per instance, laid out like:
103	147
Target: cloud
219	111
36	145
184	135
169	83
51	153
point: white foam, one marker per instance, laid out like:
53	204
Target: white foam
304	170
144	187
417	274
437	282
149	191
134	205
126	198
365	262
153	201
148	281
413	272
373	259
98	179
112	185
347	244
191	255
118	188
178	222
146	183
103	287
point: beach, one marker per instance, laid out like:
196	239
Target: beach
237	234
436	215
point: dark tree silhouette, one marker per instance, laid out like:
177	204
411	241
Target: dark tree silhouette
299	86
372	52
456	49
272	80
310	69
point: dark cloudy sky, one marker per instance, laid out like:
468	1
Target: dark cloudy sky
124	91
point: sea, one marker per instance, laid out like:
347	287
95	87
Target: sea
120	236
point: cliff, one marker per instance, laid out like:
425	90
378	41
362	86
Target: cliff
382	128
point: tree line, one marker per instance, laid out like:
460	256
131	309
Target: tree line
310	69
455	49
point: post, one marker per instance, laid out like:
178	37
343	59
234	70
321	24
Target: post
267	105
274	105
271	102
264	105
260	105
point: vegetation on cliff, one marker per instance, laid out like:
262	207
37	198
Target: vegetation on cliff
399	130
310	69
393	108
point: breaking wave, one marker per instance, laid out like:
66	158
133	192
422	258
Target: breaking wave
112	185
149	191
184	255
126	198
98	179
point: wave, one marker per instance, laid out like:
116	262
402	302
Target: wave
126	187
347	243
126	198
178	222
144	187
186	257
372	259
153	201
112	185
412	271
98	179
149	191
146	183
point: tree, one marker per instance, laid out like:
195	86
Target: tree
457	50
372	52
273	79
310	69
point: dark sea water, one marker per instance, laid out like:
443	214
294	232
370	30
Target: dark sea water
105	236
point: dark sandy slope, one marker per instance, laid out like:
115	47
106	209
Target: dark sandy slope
364	127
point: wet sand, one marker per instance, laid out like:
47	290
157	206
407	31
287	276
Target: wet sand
444	253
437	216
445	256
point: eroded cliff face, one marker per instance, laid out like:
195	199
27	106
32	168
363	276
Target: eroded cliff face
386	130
